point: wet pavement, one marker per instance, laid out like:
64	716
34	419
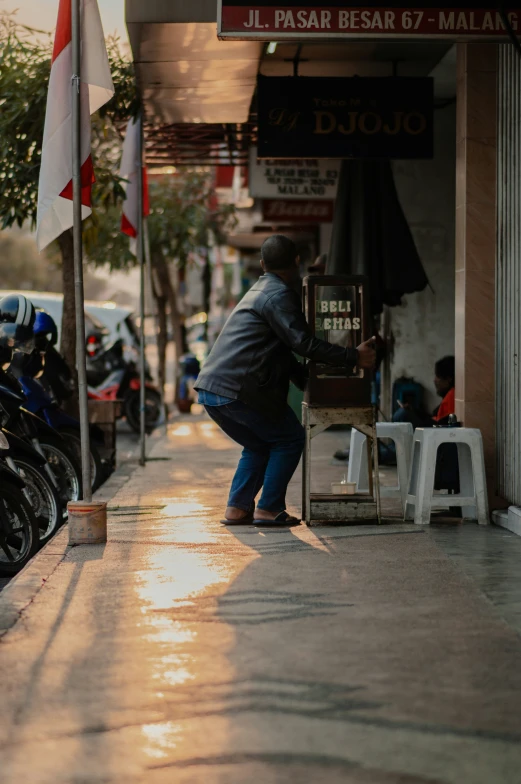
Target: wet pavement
182	651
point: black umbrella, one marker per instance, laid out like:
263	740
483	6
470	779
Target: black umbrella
371	235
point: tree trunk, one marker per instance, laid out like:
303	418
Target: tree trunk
161	334
168	290
68	329
162	341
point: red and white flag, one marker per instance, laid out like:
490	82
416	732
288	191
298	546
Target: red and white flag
129	170
55	187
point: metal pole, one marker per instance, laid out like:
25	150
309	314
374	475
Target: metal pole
78	257
148	266
141	259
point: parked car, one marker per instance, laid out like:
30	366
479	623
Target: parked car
105	322
53	304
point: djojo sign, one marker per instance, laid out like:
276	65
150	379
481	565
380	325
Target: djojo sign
389	117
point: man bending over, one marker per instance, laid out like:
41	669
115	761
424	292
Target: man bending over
245	380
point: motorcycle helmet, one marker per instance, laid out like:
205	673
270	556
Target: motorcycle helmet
45	330
17	309
17	315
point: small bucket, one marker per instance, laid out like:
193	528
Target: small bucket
87	522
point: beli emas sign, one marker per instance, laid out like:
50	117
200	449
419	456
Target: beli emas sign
338	317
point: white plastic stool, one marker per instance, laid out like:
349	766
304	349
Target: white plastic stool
473	484
399	432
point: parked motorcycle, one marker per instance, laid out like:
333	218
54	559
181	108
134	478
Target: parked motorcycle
67	428
19	533
46	381
113	378
61	464
17	317
39	489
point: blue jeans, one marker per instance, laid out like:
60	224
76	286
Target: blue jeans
270	455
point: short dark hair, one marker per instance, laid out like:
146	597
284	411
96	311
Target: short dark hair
445	368
278	252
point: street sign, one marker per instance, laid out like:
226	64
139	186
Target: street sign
293	178
345	117
269	20
297	211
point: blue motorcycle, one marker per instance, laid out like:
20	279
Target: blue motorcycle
39	402
57	461
45	381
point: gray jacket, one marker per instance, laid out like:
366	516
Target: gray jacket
252	359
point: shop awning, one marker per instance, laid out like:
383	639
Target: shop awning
198	91
185	74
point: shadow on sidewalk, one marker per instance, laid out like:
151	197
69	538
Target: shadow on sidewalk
90	553
69	690
258	595
326	649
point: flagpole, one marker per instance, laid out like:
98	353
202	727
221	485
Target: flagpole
141	259
148	268
78	256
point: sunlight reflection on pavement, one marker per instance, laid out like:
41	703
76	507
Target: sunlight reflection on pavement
184	651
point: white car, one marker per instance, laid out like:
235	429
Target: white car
105	318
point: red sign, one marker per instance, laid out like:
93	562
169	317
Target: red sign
302	211
265	21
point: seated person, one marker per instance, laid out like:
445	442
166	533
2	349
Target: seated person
447	470
444	374
444	378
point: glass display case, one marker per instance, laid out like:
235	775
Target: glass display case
337	310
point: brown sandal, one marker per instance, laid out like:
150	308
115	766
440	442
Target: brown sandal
246	520
283	520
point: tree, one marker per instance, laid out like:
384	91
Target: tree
185	218
21	265
25	61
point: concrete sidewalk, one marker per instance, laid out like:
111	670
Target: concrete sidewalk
183	651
